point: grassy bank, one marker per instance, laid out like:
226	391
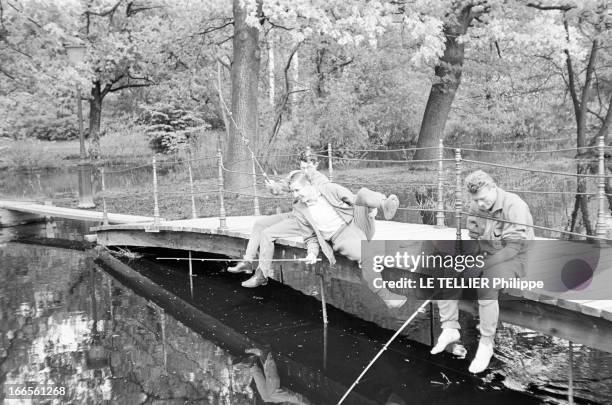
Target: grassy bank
116	149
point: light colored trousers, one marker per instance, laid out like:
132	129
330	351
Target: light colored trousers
488	304
347	242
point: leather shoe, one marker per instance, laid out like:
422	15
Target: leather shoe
256	280
241	267
389	206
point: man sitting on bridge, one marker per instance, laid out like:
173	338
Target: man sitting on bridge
329	217
308	165
501	221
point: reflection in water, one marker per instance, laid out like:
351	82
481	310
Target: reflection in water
65	323
267	381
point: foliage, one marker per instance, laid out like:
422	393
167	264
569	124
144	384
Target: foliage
170	127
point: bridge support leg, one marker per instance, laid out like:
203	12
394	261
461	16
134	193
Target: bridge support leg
440	203
85	187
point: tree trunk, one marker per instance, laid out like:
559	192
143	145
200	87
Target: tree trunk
271	70
95	114
245	80
442	93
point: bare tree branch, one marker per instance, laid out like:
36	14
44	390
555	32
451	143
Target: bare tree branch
208	30
570	71
4	72
605	126
279	113
560	7
131	85
131	9
225	40
597	115
21	11
225	65
108	12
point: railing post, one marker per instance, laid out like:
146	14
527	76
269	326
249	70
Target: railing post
222	220
458	193
155	197
308	152
104	210
440	207
330	164
194	213
601	230
254	176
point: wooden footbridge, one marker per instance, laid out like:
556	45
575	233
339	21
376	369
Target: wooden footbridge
584	322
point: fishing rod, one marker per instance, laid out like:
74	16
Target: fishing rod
233	260
419	309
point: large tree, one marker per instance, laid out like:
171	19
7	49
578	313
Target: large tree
448	73
587	26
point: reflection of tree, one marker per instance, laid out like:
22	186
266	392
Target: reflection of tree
267	381
61	323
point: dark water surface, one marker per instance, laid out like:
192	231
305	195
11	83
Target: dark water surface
64	319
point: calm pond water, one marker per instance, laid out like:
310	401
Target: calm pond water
65	320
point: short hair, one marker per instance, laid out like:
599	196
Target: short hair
299	177
308	158
477	180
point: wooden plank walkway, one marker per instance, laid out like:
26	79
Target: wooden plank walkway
68	213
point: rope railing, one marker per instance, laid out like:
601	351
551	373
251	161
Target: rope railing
526	152
127	169
522	141
437	202
407	182
384	150
552	172
573	193
543	228
387	160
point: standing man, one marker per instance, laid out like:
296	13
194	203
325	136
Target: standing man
331	218
501	223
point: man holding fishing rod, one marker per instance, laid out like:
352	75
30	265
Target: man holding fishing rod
330	218
323	213
499	222
309	165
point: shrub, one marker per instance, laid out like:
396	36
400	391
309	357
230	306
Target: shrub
54	129
169	127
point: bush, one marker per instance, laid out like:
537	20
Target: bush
169	127
49	129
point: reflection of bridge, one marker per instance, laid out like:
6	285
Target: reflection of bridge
585	322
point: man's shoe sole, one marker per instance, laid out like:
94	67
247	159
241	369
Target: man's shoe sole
390	206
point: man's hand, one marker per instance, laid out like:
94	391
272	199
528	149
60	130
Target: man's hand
273	186
310	259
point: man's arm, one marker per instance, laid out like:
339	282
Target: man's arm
280	186
474	224
310	239
343	194
514	234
